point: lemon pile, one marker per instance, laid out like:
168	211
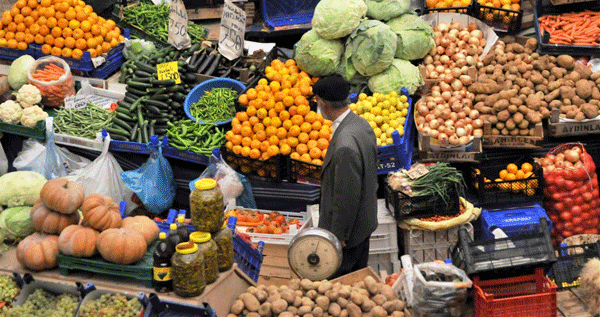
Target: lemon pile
385	113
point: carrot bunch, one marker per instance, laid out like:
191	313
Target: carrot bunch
581	28
53	94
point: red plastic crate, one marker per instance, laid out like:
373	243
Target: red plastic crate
523	296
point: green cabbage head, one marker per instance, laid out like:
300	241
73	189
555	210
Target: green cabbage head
20	188
386	9
15	223
415	36
318	56
371	47
334	19
401	74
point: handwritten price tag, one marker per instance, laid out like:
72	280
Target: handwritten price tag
417	170
231	33
168	70
76	102
178	25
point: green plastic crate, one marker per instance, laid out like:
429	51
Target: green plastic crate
141	271
38	132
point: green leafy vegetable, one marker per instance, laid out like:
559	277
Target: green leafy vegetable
371	47
334	19
401	74
17	74
415	36
20	188
15	223
386	9
318	56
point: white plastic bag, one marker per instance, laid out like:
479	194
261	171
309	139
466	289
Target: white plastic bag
227	179
3	160
49	160
103	177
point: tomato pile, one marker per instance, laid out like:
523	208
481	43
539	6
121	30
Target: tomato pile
258	222
571	192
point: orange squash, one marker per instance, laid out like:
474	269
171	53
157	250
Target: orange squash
62	195
77	240
122	246
100	212
144	225
38	251
49	221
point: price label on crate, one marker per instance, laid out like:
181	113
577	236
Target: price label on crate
168	70
231	33
178	25
76	102
417	171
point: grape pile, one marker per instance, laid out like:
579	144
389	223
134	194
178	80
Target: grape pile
43	303
111	305
8	289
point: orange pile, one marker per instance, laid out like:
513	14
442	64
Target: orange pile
278	119
63	27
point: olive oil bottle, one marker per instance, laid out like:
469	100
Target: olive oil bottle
162	280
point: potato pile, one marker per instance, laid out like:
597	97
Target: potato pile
319	299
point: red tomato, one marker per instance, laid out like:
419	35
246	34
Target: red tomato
565	215
280	219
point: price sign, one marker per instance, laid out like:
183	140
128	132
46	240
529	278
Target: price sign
168	70
76	102
231	33
417	171
178	25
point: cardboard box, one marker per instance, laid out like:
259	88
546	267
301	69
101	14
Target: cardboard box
357	276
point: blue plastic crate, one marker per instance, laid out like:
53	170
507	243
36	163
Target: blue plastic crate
197	92
12	54
281	13
127	146
247	258
399	154
172	218
514	221
111	65
155	307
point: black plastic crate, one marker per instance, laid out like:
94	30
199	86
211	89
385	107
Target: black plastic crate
273	168
543	8
155	307
464	10
504	257
304	172
571	259
499	19
510	192
403	206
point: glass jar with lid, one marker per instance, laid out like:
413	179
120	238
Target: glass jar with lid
224	240
187	269
206	206
209	250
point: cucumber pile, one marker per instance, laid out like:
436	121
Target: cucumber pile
150	103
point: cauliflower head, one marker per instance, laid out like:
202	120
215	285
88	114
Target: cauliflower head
32	115
10	112
28	96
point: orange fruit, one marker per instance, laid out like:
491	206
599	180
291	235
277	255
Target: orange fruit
264	146
34	29
261	135
322	143
306	127
35	14
324	133
71	15
22	46
3	42
258	127
302	149
92	43
271	130
82	16
81	44
246	131
281	133
12	27
19	36
88	9
310	117
44	30
110	24
78	34
276	122
254	153
49	12
2	33
63	23
303	138
32	4
106	46
49	39
103	31
292	141
21	27
56	31
273	150
6	18
293	110
67	52
28	21
273	140
56	51
261	113
26	11
295	155
67	32
95	29
39	39
59	15
88	35
294	130
70	42
9	35
253	120
512	168
93	52
313	135
255	144
324	153
317	125
246	141
285	149
303	110
288	101
305	157
526	167
20	4
59	42
14	11
237	149
284	115
51	22
520	174
297	120
315	153
237	139
12	43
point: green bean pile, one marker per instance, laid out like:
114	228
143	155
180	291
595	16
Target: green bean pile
154	19
201	138
8	289
43	303
85	122
215	105
111	305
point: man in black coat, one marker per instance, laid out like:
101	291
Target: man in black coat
348	206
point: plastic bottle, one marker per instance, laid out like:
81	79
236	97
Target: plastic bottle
163	252
182	229
174	236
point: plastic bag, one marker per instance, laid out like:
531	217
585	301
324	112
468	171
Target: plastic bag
55	91
49	160
227	179
3	160
153	182
436	298
137	47
103	177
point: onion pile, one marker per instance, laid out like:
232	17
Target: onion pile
456	50
569	158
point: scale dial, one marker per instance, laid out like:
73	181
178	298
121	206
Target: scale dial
315	254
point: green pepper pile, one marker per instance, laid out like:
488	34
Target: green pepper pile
201	138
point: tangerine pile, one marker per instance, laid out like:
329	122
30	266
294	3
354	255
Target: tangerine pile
63	27
278	119
447	3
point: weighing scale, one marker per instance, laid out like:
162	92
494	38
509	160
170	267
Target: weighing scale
315	254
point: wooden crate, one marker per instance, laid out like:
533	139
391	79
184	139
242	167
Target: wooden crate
215	13
556	128
430	153
513	142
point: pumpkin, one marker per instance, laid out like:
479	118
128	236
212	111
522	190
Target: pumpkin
100	212
144	225
38	251
62	195
77	240
48	221
122	246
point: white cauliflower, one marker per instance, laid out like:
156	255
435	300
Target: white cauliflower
32	115
29	95
10	112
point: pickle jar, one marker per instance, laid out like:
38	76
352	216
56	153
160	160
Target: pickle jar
206	205
209	250
224	240
187	269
